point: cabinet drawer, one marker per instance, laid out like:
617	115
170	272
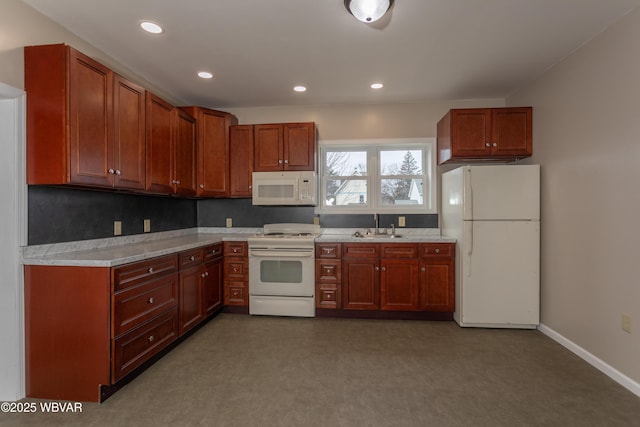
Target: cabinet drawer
327	296
399	250
361	250
236	269
137	272
235	293
133	349
328	270
328	250
235	249
191	258
138	304
212	252
437	249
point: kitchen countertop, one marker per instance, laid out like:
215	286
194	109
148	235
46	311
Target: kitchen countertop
116	251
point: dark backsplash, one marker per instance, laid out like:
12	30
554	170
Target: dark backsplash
64	214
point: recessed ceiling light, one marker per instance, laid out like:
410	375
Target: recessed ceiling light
377	86
300	88
205	75
151	27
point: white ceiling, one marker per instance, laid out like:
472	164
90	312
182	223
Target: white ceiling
259	49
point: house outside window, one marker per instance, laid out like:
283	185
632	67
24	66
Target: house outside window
377	176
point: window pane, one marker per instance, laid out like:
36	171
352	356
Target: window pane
346	163
401	191
346	192
400	162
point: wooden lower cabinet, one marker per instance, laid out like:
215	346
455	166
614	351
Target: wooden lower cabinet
385	277
236	274
86	328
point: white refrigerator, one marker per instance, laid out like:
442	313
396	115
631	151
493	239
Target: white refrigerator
493	211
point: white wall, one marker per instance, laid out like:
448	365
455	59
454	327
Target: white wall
12	236
586	127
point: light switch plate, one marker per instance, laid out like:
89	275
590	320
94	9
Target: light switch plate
147	225
401	221
117	228
229	222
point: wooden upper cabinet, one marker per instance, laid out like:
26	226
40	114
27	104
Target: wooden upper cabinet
184	149
85	124
498	134
159	156
284	147
241	160
129	134
213	150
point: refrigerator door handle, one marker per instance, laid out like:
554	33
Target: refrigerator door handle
468	238
468	195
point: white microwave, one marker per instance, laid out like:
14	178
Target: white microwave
284	188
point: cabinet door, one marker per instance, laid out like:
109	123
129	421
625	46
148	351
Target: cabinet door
159	145
268	148
213	161
299	146
128	163
241	160
511	133
361	284
399	288
212	287
90	116
437	292
190	299
184	149
471	132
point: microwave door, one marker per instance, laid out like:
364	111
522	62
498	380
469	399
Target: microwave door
278	191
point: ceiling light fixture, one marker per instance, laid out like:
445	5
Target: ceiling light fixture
377	86
151	27
300	88
205	75
368	10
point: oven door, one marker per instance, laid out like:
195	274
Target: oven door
281	271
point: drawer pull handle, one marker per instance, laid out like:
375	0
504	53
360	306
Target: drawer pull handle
192	258
235	250
151	300
151	338
213	251
437	251
150	270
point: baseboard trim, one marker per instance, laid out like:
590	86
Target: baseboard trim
599	364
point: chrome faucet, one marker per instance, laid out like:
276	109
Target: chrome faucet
393	229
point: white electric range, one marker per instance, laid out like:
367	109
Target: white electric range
282	270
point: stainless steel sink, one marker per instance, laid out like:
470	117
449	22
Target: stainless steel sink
377	236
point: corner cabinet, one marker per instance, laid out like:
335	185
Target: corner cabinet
213	150
485	134
85	124
285	147
395	280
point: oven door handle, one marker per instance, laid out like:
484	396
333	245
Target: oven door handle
280	253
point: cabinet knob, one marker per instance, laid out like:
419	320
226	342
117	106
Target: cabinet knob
150	270
495	144
151	300
437	251
384	268
377	268
286	162
206	274
151	338
213	251
118	172
203	275
178	182
423	269
250	187
111	171
235	250
192	258
487	144
201	185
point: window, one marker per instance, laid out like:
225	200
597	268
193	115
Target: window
369	176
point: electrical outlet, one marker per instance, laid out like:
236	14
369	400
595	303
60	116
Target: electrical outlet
316	220
626	322
117	228
401	221
229	222
147	225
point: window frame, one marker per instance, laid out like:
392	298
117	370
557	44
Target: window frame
374	178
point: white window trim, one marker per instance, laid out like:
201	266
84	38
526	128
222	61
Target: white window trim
428	145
